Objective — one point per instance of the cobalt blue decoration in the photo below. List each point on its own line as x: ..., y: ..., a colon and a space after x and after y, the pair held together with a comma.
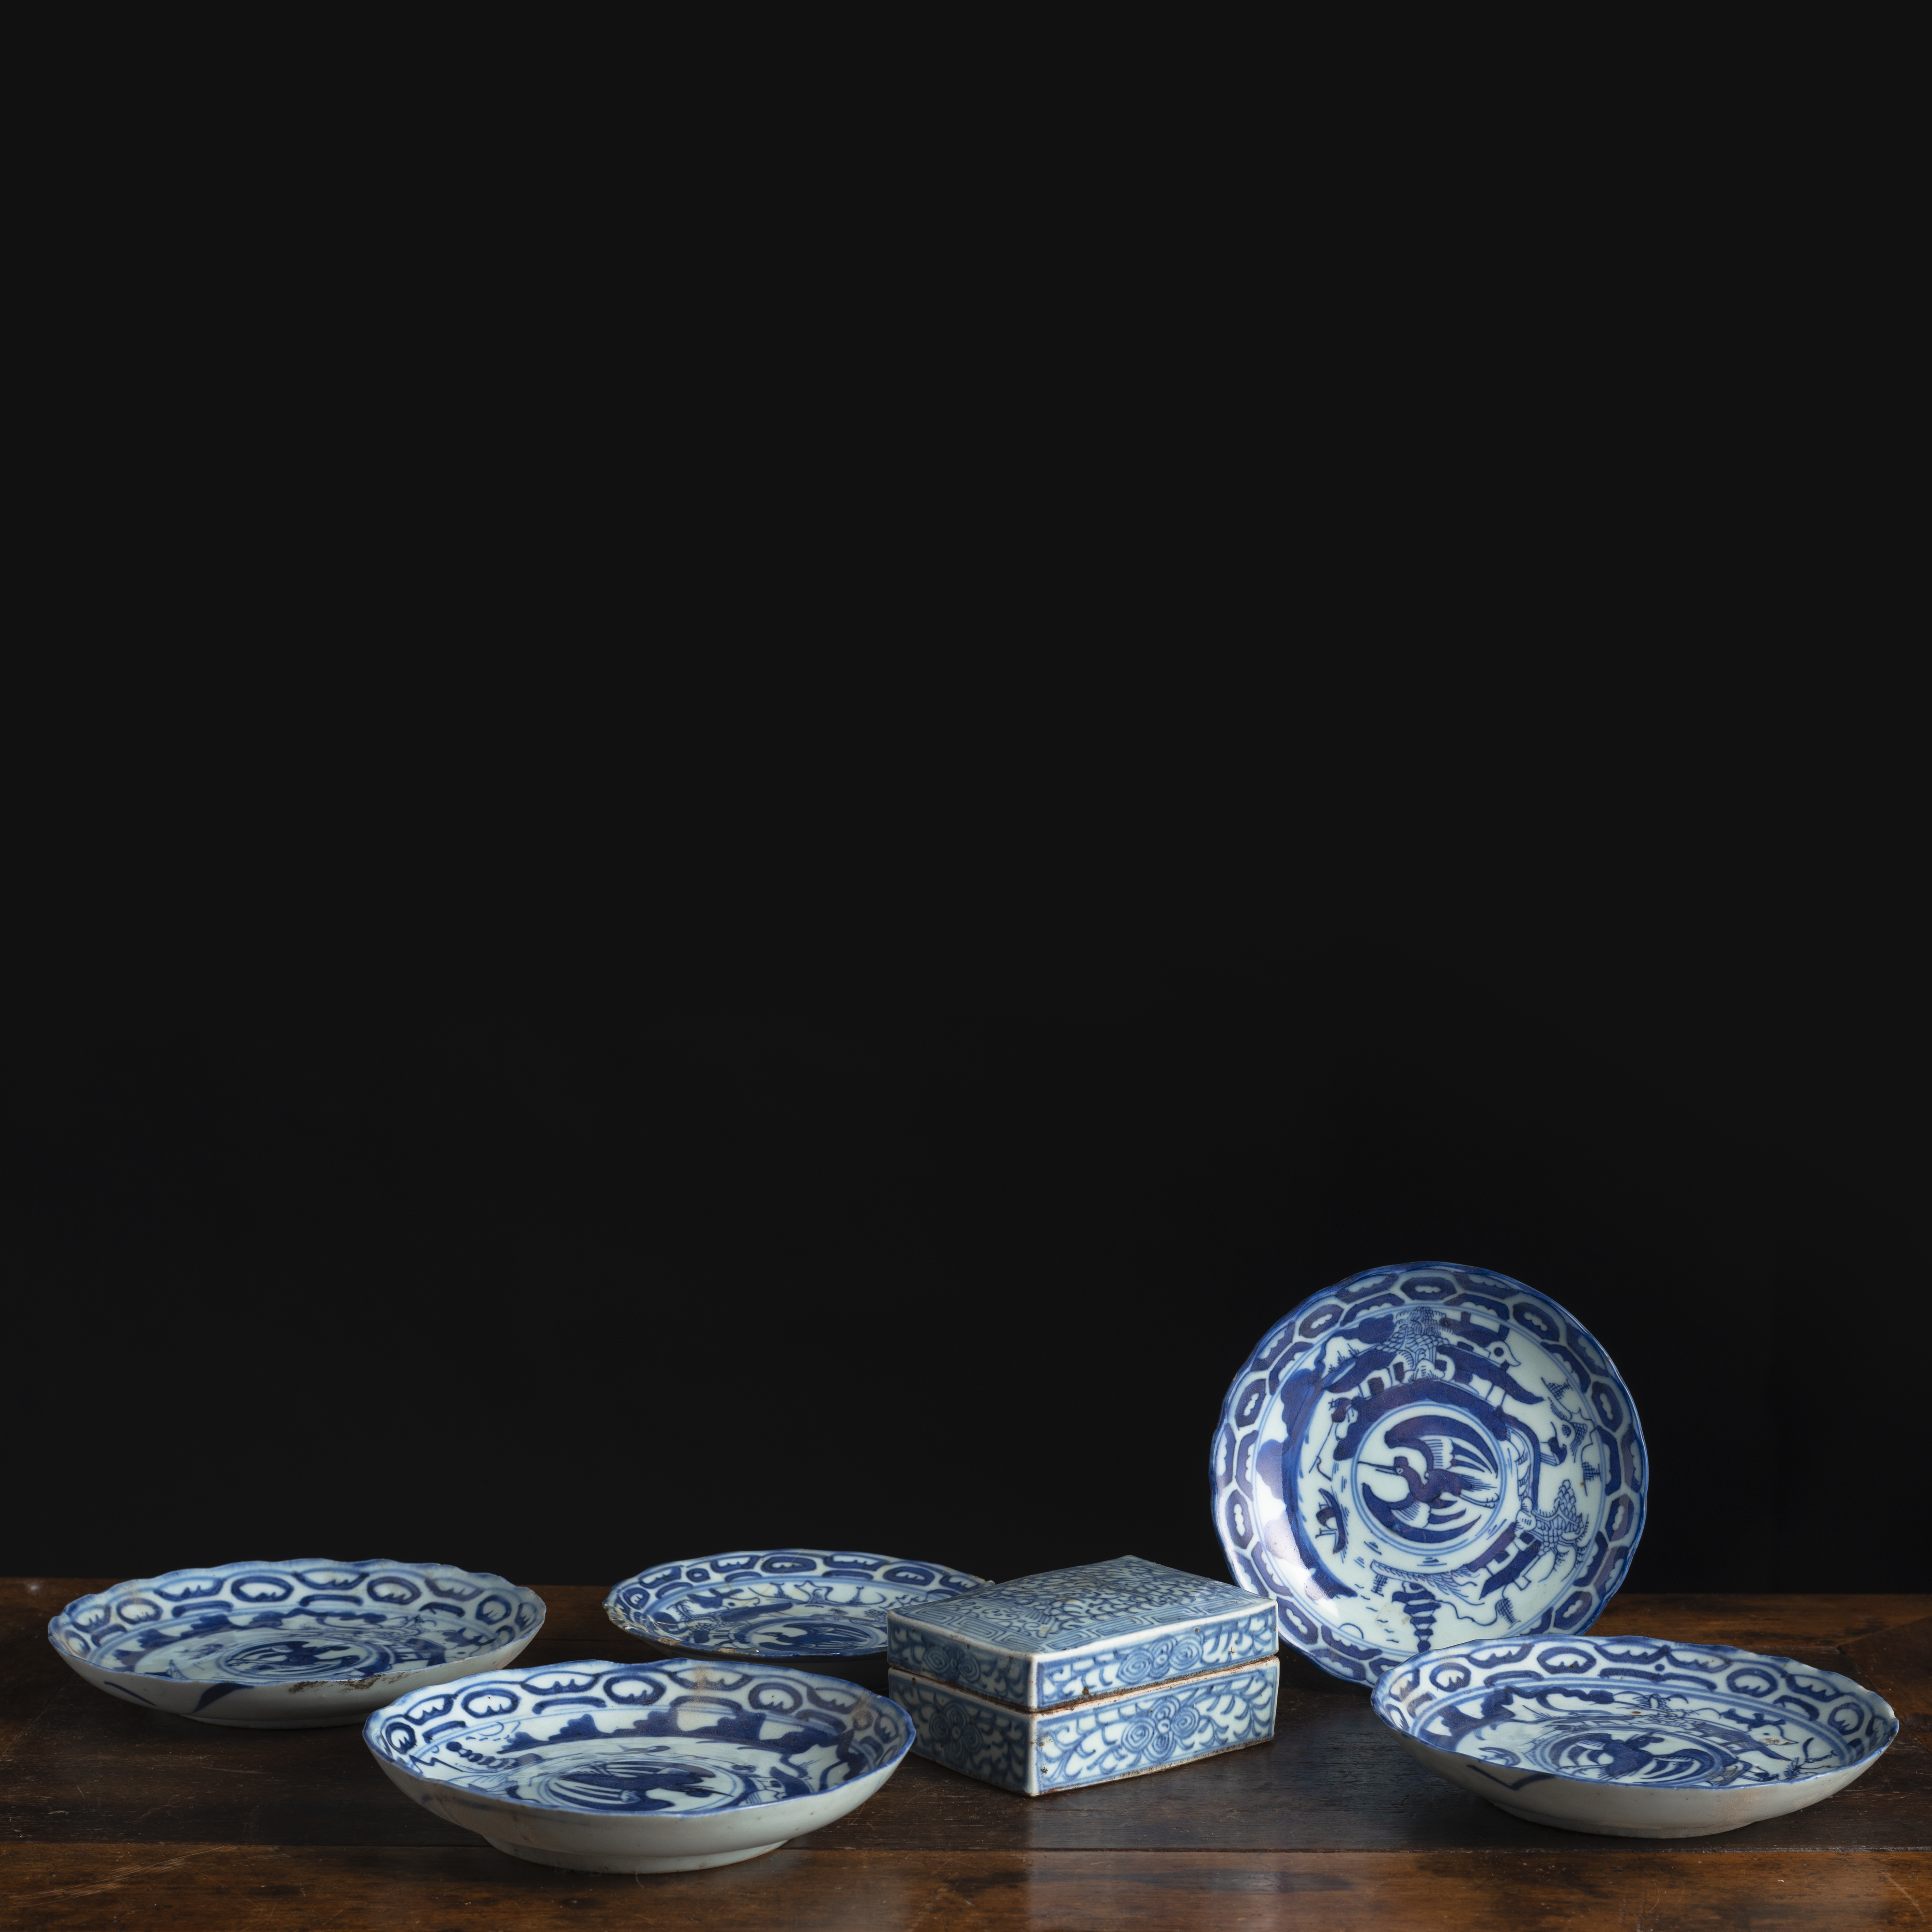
x: 1422, y: 1456
x: 1036, y: 1752
x: 668, y: 1766
x: 814, y: 1606
x: 1082, y: 1676
x: 288, y: 1645
x: 1086, y: 1632
x: 1633, y: 1736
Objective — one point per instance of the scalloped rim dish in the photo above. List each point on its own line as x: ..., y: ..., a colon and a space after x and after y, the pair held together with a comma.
x: 672, y: 1765
x: 797, y: 1605
x: 282, y: 1646
x: 1426, y: 1455
x: 1635, y: 1736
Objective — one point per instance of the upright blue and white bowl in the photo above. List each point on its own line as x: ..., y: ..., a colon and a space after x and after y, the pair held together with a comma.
x: 821, y: 1610
x: 1425, y: 1456
x: 668, y: 1766
x: 1635, y: 1737
x: 275, y: 1646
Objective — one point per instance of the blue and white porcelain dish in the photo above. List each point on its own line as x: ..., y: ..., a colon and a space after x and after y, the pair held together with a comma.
x: 1425, y: 1456
x: 821, y: 1609
x: 1161, y: 1727
x: 1636, y: 1737
x: 274, y: 1646
x: 666, y: 1766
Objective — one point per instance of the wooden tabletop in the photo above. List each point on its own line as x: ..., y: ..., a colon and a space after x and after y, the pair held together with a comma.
x: 113, y: 1817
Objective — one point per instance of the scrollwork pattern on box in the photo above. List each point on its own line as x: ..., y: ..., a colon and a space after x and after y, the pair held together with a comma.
x: 992, y: 1673
x: 1012, y: 1640
x: 1094, y: 1743
x: 1061, y: 1610
x: 1061, y: 1680
x: 984, y: 1741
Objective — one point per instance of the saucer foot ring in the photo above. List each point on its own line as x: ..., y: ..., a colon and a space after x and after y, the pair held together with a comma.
x: 1610, y: 1831
x: 584, y: 1862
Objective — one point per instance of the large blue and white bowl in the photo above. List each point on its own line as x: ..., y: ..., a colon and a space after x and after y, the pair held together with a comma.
x: 1636, y: 1737
x: 817, y: 1610
x: 668, y: 1766
x: 275, y: 1646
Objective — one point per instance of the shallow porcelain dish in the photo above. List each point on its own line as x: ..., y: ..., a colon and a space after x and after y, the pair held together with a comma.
x: 275, y: 1646
x: 821, y: 1609
x: 1636, y: 1737
x: 669, y: 1766
x: 1425, y: 1456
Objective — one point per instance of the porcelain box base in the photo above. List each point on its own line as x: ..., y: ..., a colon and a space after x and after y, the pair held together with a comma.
x: 1096, y: 1741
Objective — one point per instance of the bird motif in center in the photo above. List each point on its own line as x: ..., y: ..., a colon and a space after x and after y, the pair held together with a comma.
x: 1448, y: 1473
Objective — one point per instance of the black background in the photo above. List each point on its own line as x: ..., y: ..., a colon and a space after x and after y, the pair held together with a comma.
x: 563, y: 1228
x: 630, y: 954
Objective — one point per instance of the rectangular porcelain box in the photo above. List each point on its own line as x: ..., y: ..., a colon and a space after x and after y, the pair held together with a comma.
x: 1083, y: 1675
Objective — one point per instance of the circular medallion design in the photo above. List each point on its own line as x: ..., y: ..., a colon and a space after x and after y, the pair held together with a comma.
x: 1424, y: 1456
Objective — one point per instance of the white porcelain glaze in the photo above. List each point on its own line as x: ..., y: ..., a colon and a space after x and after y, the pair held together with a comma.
x: 1424, y: 1456
x: 1634, y: 1737
x: 820, y: 1610
x: 283, y: 1646
x: 668, y: 1766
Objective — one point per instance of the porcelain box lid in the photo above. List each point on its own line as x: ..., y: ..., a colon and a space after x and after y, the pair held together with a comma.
x: 1095, y: 1631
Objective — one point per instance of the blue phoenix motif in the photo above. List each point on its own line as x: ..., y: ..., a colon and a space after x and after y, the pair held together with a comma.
x: 1638, y: 1711
x: 1421, y: 1455
x: 258, y: 1624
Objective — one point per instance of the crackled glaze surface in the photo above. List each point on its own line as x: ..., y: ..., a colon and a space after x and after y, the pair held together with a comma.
x: 1088, y: 1631
x: 1035, y: 1752
x: 779, y: 1604
x: 213, y: 1642
x: 1424, y: 1456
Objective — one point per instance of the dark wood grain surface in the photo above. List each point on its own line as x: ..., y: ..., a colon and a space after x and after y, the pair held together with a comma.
x: 114, y: 1816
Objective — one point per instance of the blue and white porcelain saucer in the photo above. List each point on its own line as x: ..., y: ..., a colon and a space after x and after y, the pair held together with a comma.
x: 1424, y: 1456
x: 669, y: 1766
x: 286, y: 1646
x: 817, y: 1609
x: 1636, y: 1737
